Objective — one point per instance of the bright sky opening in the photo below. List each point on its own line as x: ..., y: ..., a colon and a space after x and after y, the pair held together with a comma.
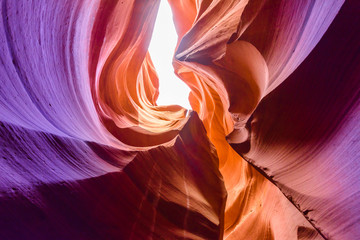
x: 172, y: 90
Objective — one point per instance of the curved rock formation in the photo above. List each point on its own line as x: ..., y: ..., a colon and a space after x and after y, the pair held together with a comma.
x: 270, y: 149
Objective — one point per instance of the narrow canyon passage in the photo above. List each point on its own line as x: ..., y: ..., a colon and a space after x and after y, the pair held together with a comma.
x: 172, y: 90
x: 102, y: 138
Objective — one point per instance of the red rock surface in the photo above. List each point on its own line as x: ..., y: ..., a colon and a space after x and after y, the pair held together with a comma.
x: 270, y: 149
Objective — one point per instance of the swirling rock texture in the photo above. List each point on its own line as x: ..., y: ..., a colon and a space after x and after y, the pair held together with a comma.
x: 270, y: 149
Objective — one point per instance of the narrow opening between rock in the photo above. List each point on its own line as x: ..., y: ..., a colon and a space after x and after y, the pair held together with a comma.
x: 172, y: 90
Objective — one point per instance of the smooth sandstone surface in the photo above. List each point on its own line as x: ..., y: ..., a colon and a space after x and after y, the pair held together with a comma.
x: 270, y: 149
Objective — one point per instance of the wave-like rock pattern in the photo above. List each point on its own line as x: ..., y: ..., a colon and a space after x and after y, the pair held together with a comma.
x: 270, y: 149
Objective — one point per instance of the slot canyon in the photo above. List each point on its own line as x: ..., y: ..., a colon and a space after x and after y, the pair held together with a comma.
x: 268, y: 148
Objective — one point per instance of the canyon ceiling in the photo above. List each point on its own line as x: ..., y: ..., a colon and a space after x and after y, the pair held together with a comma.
x: 269, y: 150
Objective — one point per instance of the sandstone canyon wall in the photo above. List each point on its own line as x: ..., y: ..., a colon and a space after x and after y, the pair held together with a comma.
x: 270, y: 149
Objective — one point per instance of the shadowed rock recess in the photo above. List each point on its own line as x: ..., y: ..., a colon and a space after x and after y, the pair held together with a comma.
x: 270, y: 149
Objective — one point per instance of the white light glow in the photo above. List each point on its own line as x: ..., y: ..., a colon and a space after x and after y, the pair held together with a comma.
x: 172, y: 90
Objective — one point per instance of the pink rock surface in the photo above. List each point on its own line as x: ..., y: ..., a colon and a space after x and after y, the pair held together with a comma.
x: 270, y: 149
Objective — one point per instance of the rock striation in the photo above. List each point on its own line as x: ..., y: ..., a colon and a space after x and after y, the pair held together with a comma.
x: 270, y: 149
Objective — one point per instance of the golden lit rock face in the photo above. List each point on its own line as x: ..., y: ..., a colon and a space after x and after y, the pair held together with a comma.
x: 227, y: 87
x: 269, y: 150
x: 124, y: 81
